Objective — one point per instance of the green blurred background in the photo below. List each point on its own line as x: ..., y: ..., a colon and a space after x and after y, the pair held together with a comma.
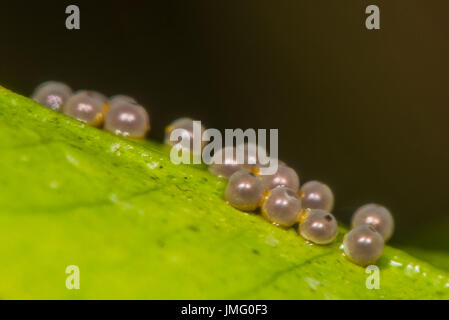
x: 365, y: 111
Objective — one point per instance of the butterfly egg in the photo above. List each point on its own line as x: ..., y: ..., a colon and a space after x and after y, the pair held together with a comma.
x: 281, y: 206
x: 52, y: 94
x: 224, y: 163
x: 96, y: 95
x: 227, y: 160
x: 285, y: 177
x: 270, y: 159
x: 377, y: 216
x: 363, y: 245
x: 127, y: 119
x: 184, y: 134
x: 244, y: 191
x: 87, y: 106
x: 117, y: 99
x: 318, y: 226
x: 317, y: 195
x: 250, y: 155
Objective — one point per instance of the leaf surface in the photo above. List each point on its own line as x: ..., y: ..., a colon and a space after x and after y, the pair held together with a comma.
x: 140, y: 227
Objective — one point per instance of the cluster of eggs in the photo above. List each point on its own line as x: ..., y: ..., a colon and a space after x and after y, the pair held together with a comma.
x: 119, y: 114
x: 279, y: 197
x: 372, y: 226
x: 283, y: 202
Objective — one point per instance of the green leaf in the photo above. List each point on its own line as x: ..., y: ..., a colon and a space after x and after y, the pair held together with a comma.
x: 139, y: 226
x: 437, y: 258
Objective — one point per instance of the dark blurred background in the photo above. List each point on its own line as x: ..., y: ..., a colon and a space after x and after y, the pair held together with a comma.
x: 365, y: 111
